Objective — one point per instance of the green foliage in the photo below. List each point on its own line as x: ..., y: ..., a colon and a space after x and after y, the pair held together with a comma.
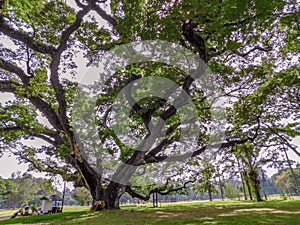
x: 92, y: 37
x: 64, y: 150
x: 7, y: 187
x: 251, y: 47
x: 284, y: 180
x: 82, y: 195
x: 20, y: 190
x: 136, y: 123
x: 46, y: 19
x: 232, y: 191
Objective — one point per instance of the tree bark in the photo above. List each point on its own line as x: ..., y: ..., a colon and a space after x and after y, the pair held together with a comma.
x: 242, y: 178
x: 243, y: 186
x: 107, y: 198
x: 221, y: 188
x: 112, y: 195
x: 209, y: 192
x: 253, y: 175
x: 248, y: 184
x: 295, y: 181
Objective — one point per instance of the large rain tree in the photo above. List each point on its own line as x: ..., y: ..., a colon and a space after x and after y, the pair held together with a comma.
x: 243, y: 42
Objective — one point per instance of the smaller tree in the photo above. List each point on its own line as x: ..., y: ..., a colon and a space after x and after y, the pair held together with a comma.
x: 24, y: 189
x: 250, y: 157
x: 284, y: 180
x: 7, y: 187
x: 231, y: 190
x: 83, y: 196
x: 206, y: 182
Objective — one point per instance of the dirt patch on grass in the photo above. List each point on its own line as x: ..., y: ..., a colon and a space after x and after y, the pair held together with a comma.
x: 4, y: 217
x: 258, y: 210
x: 199, y: 212
x: 209, y: 211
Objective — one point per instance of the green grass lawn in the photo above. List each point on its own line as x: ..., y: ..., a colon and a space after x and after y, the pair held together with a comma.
x: 216, y: 212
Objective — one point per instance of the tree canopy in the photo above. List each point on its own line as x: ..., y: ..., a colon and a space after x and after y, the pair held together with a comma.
x: 251, y: 47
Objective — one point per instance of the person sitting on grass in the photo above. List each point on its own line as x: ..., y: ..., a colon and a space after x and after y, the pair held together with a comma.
x: 16, y: 213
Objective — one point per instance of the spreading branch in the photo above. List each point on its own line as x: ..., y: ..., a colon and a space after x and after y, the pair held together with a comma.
x: 112, y: 21
x: 252, y: 50
x: 8, y: 66
x: 162, y: 190
x: 8, y: 86
x: 286, y: 142
x: 54, y: 67
x: 25, y: 38
x: 38, y: 102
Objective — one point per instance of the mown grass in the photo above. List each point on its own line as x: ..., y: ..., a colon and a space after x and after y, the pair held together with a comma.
x: 189, y: 213
x: 5, y: 212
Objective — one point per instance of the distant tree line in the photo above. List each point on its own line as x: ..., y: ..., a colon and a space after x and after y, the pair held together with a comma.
x: 281, y: 183
x: 21, y: 189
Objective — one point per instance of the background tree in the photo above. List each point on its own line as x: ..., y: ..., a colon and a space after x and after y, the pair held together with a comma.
x: 83, y: 195
x: 207, y: 182
x: 285, y: 181
x: 70, y: 198
x: 232, y: 190
x: 25, y: 189
x: 7, y: 188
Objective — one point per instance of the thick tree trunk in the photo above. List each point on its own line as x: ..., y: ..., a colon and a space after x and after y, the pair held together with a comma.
x: 97, y: 193
x: 112, y: 195
x: 103, y: 197
x: 92, y: 180
x: 107, y: 198
x: 253, y: 175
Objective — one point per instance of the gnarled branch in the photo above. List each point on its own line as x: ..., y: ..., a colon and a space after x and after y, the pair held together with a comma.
x: 8, y: 86
x: 54, y: 67
x: 112, y: 21
x: 8, y: 66
x: 25, y: 38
